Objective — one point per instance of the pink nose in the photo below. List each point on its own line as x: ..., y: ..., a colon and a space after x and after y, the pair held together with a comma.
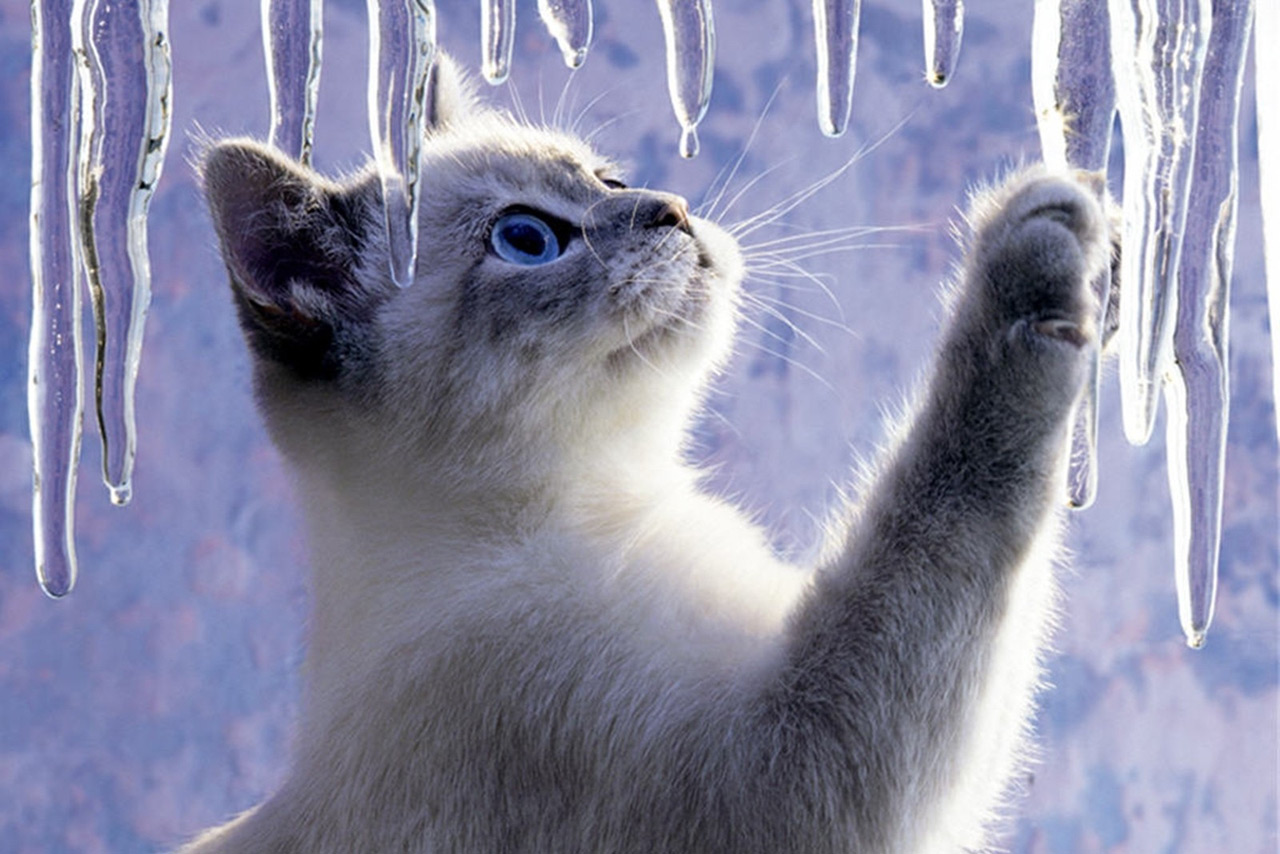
x: 671, y: 211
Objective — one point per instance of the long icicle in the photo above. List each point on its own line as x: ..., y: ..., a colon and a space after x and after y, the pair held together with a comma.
x: 1197, y: 391
x: 1158, y: 51
x: 1075, y: 102
x: 1266, y: 68
x: 292, y: 42
x: 835, y: 28
x: 690, y: 34
x: 54, y: 385
x: 402, y: 48
x: 125, y: 88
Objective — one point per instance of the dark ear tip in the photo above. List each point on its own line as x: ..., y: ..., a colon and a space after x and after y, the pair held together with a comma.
x: 229, y: 161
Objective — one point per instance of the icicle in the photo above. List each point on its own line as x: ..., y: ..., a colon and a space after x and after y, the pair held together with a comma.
x: 498, y: 36
x: 691, y: 57
x: 291, y: 43
x: 835, y: 24
x: 54, y: 395
x: 1158, y: 53
x: 125, y: 87
x: 1266, y: 68
x: 1197, y: 392
x: 569, y: 22
x: 1075, y: 102
x: 402, y: 47
x: 943, y: 30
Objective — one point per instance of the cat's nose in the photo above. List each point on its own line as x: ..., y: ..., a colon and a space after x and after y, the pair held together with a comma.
x: 669, y: 211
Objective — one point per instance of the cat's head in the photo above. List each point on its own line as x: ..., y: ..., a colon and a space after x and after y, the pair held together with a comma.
x: 551, y: 302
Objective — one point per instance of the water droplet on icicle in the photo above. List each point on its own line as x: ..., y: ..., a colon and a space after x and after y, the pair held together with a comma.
x: 497, y: 37
x: 291, y: 41
x: 943, y: 30
x: 689, y: 143
x: 835, y: 24
x: 1074, y: 95
x: 1197, y: 391
x: 402, y: 48
x: 569, y: 22
x: 125, y: 85
x: 1159, y: 57
x: 54, y: 396
x: 691, y: 54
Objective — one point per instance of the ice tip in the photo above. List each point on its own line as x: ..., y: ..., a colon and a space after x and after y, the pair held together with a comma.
x: 831, y: 128
x: 689, y: 143
x: 121, y: 494
x: 56, y: 585
x: 1196, y: 638
x: 574, y: 58
x: 937, y: 79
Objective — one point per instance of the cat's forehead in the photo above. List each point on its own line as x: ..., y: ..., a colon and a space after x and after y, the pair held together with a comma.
x: 511, y: 157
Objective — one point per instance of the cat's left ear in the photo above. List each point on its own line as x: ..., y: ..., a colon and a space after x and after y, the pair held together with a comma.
x: 294, y: 243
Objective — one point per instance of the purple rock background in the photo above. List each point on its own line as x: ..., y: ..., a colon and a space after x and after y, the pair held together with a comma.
x: 159, y: 697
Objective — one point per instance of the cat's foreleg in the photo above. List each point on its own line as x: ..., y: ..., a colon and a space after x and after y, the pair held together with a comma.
x: 913, y: 661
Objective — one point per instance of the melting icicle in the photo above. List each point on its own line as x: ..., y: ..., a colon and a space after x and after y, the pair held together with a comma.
x: 569, y: 22
x: 1197, y: 392
x: 943, y: 29
x: 498, y: 36
x: 124, y: 84
x: 291, y: 42
x: 1266, y: 68
x: 835, y: 26
x: 691, y: 57
x: 402, y: 47
x: 1075, y: 103
x: 54, y: 396
x: 1158, y: 53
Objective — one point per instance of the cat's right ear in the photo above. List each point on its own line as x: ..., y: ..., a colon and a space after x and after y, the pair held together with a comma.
x: 293, y: 243
x: 450, y: 94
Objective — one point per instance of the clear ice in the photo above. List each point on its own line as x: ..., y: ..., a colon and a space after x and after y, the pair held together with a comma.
x: 1266, y: 67
x: 402, y: 47
x: 569, y: 22
x: 54, y: 389
x: 835, y: 29
x: 1197, y: 391
x: 498, y: 37
x: 691, y: 55
x: 124, y: 84
x: 1158, y: 51
x: 943, y: 30
x: 1075, y: 103
x: 291, y: 43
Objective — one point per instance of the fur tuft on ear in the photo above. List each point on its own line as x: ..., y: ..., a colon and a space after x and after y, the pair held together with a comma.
x: 293, y: 242
x: 450, y: 94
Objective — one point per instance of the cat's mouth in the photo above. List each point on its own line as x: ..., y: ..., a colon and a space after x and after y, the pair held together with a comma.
x: 684, y: 294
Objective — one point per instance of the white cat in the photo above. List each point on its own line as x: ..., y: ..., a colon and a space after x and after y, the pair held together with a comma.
x: 532, y: 631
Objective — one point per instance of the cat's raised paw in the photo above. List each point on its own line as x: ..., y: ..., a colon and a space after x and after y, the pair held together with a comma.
x: 1041, y: 240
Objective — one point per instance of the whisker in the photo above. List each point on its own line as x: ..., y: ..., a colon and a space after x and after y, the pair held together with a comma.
x: 775, y: 312
x: 790, y: 203
x: 737, y: 163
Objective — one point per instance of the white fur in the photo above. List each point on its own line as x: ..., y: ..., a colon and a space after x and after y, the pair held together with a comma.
x: 533, y: 631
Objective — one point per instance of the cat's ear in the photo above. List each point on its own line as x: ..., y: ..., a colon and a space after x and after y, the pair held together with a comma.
x: 450, y: 93
x: 294, y: 244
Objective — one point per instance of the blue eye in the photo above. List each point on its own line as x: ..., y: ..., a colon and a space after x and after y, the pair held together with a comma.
x: 522, y: 238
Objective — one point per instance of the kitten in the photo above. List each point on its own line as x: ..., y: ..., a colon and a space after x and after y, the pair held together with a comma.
x: 532, y: 631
